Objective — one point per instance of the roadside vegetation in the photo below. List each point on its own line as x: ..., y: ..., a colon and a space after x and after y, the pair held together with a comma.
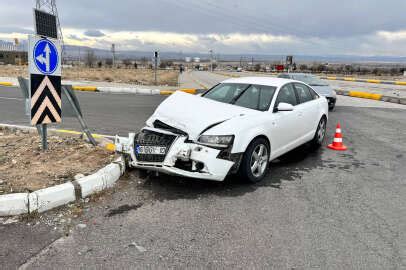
x: 120, y: 74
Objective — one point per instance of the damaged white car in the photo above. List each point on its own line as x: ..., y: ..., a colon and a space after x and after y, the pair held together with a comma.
x: 238, y: 126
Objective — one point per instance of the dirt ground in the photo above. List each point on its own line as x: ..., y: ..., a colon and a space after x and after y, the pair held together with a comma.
x: 121, y: 75
x: 24, y: 167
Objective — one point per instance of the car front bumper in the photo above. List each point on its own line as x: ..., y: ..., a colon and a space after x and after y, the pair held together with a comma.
x: 186, y: 159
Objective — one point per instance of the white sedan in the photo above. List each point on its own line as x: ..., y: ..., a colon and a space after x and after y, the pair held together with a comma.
x: 238, y: 126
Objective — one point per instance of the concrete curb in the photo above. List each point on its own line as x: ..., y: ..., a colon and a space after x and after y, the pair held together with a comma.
x: 6, y: 84
x: 124, y: 90
x: 102, y: 179
x: 143, y: 91
x: 13, y: 204
x: 350, y: 79
x: 52, y: 197
x: 129, y: 90
x: 373, y: 96
x: 85, y: 88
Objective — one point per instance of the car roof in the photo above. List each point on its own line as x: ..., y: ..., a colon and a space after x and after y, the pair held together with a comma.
x: 269, y: 81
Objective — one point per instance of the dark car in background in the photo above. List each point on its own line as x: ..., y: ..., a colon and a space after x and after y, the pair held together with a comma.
x: 321, y: 87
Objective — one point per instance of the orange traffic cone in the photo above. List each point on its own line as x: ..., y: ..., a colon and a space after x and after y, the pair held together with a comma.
x: 338, y: 140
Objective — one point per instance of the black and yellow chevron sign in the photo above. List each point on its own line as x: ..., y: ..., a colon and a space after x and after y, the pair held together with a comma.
x: 45, y: 99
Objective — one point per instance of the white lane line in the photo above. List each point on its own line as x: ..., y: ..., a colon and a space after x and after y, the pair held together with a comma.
x: 11, y: 98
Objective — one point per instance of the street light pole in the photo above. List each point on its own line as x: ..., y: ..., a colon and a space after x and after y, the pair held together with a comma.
x: 211, y: 60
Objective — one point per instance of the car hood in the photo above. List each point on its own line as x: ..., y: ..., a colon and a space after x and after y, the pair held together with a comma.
x: 194, y: 114
x: 324, y: 90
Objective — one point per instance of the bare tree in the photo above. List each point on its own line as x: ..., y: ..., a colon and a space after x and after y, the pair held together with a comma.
x: 127, y: 62
x: 303, y: 67
x: 109, y: 62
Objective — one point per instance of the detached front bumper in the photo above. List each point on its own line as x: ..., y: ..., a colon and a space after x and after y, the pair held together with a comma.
x: 183, y: 158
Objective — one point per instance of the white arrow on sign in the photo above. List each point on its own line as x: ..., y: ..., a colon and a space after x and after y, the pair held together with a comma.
x: 45, y: 59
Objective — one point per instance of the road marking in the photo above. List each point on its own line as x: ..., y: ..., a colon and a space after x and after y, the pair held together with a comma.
x: 197, y: 81
x: 11, y: 98
x: 58, y: 130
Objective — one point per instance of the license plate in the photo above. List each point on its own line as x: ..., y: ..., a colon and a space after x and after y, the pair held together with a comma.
x: 152, y: 150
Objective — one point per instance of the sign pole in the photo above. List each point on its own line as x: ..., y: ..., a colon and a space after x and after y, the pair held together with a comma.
x: 156, y: 55
x: 79, y: 116
x: 155, y: 77
x: 44, y: 137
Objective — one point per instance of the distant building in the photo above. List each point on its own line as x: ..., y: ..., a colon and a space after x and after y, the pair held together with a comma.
x: 13, y: 57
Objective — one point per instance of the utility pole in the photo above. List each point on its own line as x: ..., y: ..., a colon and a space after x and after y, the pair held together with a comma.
x: 211, y: 60
x: 79, y: 63
x: 156, y: 56
x: 113, y: 51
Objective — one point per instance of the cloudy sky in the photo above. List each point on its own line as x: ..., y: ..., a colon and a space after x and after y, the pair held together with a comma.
x: 350, y: 27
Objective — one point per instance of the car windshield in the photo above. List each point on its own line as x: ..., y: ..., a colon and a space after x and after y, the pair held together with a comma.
x: 309, y: 79
x: 250, y: 96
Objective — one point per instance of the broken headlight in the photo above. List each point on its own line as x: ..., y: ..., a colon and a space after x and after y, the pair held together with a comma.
x: 216, y: 141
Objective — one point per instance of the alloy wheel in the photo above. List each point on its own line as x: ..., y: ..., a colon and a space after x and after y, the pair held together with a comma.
x: 259, y: 160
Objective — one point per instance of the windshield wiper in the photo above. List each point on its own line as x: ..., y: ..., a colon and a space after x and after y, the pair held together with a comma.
x: 237, y: 97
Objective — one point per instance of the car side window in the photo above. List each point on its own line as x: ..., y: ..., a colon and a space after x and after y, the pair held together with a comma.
x: 267, y: 93
x: 303, y: 93
x: 250, y: 98
x: 313, y: 93
x: 286, y: 95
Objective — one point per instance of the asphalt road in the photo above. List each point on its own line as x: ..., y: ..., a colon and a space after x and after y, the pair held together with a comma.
x: 316, y: 209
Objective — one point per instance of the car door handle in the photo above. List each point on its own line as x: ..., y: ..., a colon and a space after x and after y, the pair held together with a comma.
x: 300, y: 113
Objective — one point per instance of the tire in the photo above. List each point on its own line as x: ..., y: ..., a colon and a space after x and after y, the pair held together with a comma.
x: 320, y: 134
x: 331, y: 107
x: 248, y: 170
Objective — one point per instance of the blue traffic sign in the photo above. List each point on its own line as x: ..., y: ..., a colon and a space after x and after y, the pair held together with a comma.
x: 46, y: 56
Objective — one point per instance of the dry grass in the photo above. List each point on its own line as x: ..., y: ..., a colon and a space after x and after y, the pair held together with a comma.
x: 121, y: 75
x: 24, y: 166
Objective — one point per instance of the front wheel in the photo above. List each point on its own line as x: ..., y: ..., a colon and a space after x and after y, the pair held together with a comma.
x: 255, y: 161
x: 320, y: 132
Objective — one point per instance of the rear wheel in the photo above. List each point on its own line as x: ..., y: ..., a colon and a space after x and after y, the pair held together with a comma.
x: 320, y: 132
x: 255, y: 161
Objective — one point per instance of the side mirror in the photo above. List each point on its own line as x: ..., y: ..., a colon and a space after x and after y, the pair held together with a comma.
x: 284, y: 107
